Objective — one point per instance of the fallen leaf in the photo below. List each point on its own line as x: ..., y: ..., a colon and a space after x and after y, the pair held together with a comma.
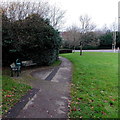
x: 113, y: 100
x: 8, y: 95
x: 105, y: 101
x: 74, y: 109
x: 91, y: 100
x: 103, y: 113
x: 79, y: 98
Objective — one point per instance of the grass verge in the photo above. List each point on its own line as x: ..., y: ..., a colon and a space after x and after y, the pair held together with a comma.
x: 94, y: 87
x: 56, y: 63
x: 12, y: 91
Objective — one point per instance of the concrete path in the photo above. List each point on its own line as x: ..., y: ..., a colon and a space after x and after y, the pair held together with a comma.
x: 51, y: 101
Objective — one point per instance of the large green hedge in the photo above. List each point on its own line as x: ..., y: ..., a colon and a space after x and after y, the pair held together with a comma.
x: 30, y: 39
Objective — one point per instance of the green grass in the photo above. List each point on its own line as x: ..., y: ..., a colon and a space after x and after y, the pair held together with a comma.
x: 12, y: 91
x: 94, y: 87
x: 56, y: 63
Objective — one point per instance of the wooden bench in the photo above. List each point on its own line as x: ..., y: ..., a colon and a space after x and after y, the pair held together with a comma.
x: 15, y: 68
x: 28, y: 63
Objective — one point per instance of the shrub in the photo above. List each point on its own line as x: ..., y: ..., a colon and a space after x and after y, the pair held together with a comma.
x: 31, y: 39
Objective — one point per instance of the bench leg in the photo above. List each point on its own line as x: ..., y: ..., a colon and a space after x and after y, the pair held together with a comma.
x: 17, y: 73
x: 20, y: 71
x: 11, y: 73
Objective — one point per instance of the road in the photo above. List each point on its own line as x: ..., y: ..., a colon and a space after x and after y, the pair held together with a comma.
x: 112, y: 51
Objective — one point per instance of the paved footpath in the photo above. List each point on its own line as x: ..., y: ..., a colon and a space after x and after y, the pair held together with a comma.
x: 51, y: 101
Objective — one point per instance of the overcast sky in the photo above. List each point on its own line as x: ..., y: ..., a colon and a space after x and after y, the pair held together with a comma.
x: 101, y: 11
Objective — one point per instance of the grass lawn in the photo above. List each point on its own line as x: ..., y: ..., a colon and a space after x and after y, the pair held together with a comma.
x: 12, y: 91
x: 94, y: 87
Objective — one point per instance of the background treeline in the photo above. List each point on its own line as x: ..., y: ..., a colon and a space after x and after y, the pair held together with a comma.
x: 90, y: 40
x: 29, y: 32
x: 89, y: 36
x: 106, y: 40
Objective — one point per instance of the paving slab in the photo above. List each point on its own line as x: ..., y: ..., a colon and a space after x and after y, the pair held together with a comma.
x: 42, y: 73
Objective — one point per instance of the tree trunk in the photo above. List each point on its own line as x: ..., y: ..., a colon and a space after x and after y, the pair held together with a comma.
x: 74, y: 50
x: 80, y: 49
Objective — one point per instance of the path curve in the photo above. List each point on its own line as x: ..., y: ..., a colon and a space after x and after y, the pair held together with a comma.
x: 52, y: 99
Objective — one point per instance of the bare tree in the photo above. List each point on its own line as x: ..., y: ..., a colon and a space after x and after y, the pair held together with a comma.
x: 75, y: 35
x: 105, y: 29
x: 86, y: 26
x: 72, y: 36
x: 114, y: 26
x: 56, y: 16
x: 66, y: 36
x: 20, y: 10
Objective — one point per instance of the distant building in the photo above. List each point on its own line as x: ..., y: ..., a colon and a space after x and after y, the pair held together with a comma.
x: 119, y: 16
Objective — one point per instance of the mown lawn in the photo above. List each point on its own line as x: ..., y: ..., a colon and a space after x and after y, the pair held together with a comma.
x: 94, y: 87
